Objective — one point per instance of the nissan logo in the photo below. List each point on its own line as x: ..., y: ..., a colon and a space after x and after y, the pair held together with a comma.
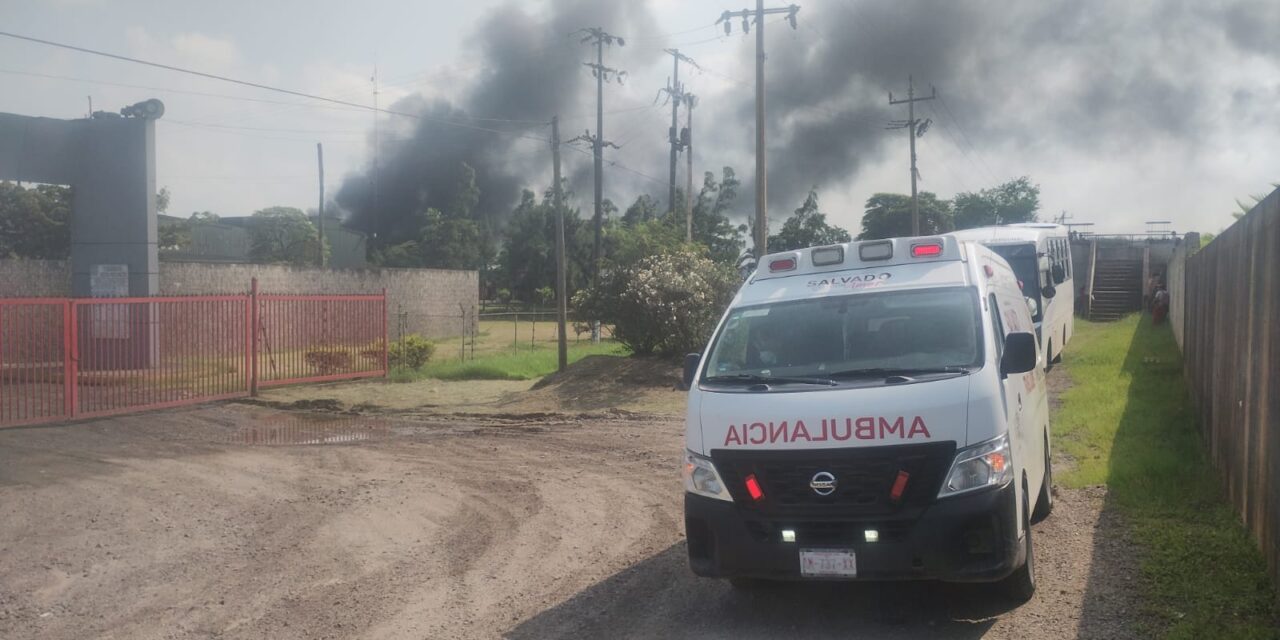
x: 823, y: 483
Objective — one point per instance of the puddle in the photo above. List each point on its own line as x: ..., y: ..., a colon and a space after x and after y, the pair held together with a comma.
x: 312, y: 429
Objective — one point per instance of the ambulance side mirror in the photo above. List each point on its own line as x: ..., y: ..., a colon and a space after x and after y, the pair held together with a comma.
x: 691, y: 362
x: 1019, y: 353
x: 1059, y: 274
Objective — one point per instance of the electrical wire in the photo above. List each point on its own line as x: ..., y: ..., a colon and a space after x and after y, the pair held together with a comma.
x: 965, y: 136
x: 265, y: 87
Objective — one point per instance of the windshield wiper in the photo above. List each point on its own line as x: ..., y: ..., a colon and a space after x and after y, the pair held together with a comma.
x: 898, y: 371
x: 759, y: 379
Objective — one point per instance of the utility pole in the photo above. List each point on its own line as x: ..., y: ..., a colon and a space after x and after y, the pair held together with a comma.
x: 599, y: 37
x: 762, y: 215
x: 687, y: 140
x: 320, y: 209
x: 911, y: 125
x: 562, y: 290
x: 377, y: 215
x: 676, y: 92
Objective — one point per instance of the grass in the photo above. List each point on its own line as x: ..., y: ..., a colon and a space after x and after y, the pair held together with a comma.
x: 1128, y: 423
x: 526, y: 363
x: 506, y: 335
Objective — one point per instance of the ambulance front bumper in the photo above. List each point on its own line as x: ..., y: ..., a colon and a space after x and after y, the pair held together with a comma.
x: 966, y: 538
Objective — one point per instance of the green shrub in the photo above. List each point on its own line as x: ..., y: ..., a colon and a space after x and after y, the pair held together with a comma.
x: 666, y: 304
x: 410, y: 352
x: 326, y: 362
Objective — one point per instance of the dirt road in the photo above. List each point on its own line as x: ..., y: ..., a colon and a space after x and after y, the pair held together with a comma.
x: 205, y: 523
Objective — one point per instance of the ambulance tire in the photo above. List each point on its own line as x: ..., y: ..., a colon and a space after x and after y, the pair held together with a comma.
x: 1044, y: 503
x: 1049, y: 360
x: 1020, y: 586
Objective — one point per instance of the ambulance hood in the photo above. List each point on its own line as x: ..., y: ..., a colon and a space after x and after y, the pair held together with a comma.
x: 865, y: 416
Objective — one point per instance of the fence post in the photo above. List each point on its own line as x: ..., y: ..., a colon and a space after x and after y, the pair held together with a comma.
x: 69, y: 373
x: 253, y: 337
x: 386, y: 369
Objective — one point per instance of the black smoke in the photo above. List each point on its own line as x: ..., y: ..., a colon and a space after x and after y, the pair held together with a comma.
x: 1078, y: 78
x: 1088, y: 76
x: 529, y: 68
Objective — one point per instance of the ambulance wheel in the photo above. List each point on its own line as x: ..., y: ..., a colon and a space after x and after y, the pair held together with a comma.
x: 1044, y: 503
x: 1049, y: 360
x: 1020, y: 586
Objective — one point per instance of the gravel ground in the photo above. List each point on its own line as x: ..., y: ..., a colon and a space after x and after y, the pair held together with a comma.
x: 205, y: 523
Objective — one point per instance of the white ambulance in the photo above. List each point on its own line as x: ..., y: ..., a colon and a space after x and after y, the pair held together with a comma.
x: 873, y: 411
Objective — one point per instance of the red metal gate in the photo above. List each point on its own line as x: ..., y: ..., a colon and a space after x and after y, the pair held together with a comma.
x: 71, y: 358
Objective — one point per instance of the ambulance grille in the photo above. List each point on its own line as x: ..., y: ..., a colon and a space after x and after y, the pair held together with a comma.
x: 864, y: 478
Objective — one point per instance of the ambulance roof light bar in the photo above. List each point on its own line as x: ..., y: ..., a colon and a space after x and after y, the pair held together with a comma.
x: 782, y: 264
x: 926, y: 249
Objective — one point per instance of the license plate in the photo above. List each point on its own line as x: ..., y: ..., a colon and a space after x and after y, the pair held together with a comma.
x: 828, y: 563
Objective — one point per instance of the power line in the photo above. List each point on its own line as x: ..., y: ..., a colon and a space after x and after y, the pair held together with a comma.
x: 965, y: 136
x: 265, y: 87
x: 170, y: 90
x: 955, y: 143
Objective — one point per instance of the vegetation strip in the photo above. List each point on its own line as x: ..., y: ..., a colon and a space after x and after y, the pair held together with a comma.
x: 526, y: 364
x: 1127, y: 422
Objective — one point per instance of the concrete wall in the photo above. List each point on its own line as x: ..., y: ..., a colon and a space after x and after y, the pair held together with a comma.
x: 1231, y: 354
x: 35, y: 278
x: 427, y: 299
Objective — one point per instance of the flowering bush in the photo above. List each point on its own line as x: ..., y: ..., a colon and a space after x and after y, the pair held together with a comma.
x: 666, y: 304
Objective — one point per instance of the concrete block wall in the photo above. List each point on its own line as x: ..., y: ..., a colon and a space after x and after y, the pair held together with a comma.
x: 430, y: 301
x: 35, y: 278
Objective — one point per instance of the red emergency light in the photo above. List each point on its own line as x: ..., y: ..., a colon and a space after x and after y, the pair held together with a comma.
x: 782, y: 264
x: 899, y: 486
x: 926, y: 250
x: 753, y: 488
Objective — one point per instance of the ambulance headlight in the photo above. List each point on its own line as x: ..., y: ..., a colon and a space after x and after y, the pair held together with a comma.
x: 983, y: 465
x: 700, y: 477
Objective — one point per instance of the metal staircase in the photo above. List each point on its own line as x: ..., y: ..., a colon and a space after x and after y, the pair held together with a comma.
x: 1117, y: 289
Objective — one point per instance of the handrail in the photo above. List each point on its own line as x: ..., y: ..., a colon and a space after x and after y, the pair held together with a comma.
x: 1093, y: 263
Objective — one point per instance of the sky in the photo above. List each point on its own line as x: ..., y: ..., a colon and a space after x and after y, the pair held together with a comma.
x: 1121, y: 112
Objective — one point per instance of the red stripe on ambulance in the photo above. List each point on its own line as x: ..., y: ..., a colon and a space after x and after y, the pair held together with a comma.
x: 833, y: 429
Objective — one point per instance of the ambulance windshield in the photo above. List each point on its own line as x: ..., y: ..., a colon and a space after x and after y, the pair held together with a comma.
x: 931, y: 329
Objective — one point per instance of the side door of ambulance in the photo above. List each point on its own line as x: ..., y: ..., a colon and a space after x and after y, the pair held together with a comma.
x: 1021, y: 400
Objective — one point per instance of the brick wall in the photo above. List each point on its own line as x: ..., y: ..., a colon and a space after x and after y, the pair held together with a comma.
x: 430, y: 301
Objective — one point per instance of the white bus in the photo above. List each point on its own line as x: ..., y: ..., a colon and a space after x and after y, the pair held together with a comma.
x: 1040, y: 255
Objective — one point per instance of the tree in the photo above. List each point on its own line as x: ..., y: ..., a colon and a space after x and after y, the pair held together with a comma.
x: 807, y: 227
x: 162, y: 200
x: 283, y: 235
x: 1017, y: 200
x: 643, y: 209
x: 527, y: 262
x: 888, y: 215
x: 203, y: 216
x: 711, y: 209
x: 35, y: 222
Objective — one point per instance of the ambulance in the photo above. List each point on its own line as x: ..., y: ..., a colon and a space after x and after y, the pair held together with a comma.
x: 871, y: 410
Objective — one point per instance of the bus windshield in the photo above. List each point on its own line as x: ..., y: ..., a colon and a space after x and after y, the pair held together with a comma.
x: 931, y: 330
x: 1026, y: 266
